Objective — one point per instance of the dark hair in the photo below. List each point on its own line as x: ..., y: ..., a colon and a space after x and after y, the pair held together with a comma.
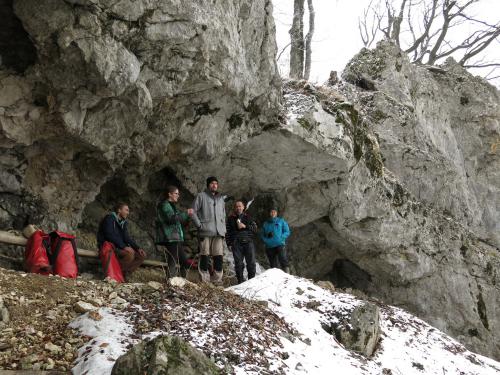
x: 170, y: 189
x: 242, y: 201
x: 119, y: 205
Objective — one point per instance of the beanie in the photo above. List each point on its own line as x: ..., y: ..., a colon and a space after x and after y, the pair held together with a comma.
x: 211, y: 179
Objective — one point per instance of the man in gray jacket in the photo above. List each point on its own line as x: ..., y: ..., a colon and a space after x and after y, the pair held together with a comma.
x: 210, y: 218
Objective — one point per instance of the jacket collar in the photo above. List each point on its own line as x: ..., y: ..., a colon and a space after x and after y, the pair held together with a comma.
x: 121, y: 222
x: 209, y: 193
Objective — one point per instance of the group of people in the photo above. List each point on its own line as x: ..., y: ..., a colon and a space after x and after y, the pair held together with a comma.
x: 208, y: 214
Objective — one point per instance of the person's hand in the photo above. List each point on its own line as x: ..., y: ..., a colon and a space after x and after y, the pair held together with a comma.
x: 142, y: 253
x: 241, y: 225
x: 190, y: 211
x: 128, y: 249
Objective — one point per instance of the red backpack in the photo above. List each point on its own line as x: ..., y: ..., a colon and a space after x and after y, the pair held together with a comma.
x: 63, y: 255
x: 110, y: 265
x: 36, y: 259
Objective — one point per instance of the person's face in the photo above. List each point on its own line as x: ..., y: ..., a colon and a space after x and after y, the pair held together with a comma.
x: 239, y: 207
x: 173, y: 196
x: 273, y: 213
x: 123, y: 212
x: 213, y: 186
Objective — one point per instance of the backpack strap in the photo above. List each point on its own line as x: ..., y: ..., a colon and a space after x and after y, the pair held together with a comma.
x: 59, y: 240
x: 54, y: 254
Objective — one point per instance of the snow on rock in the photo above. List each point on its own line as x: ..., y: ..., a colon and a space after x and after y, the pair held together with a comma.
x: 408, y: 344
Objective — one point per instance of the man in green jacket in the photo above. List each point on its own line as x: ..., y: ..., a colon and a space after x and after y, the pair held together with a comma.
x: 169, y: 231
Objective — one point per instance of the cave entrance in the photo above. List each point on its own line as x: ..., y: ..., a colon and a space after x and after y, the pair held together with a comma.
x: 346, y: 274
x: 142, y: 209
x: 17, y: 52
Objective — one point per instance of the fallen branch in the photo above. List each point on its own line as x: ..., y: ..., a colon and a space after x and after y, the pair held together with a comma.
x: 12, y: 239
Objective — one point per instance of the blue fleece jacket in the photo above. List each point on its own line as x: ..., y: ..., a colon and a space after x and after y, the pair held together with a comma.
x: 274, y: 232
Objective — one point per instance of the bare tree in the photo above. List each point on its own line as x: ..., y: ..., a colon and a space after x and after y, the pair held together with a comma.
x: 300, y: 47
x: 423, y: 29
x: 308, y: 40
x: 297, y: 41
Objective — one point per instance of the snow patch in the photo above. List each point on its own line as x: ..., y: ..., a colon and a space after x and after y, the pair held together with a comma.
x: 408, y: 345
x: 111, y: 338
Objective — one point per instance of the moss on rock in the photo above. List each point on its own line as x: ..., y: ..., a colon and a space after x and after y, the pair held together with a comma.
x: 165, y: 355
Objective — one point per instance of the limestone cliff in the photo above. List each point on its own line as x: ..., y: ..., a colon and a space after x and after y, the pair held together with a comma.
x: 120, y: 90
x: 390, y: 180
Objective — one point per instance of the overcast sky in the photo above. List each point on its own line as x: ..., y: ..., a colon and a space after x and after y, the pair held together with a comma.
x: 336, y: 38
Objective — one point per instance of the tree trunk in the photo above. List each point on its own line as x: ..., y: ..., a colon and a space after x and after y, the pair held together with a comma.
x: 308, y: 41
x: 297, y: 41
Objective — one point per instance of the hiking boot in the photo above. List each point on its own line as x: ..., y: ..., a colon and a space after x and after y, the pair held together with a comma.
x: 205, y: 276
x: 217, y: 278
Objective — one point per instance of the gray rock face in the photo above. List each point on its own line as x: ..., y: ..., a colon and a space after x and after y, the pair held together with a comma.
x: 124, y: 89
x: 167, y: 355
x: 356, y: 222
x: 437, y: 132
x: 390, y: 183
x: 362, y: 333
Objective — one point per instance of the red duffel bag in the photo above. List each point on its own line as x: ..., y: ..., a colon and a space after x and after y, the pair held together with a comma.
x: 110, y: 264
x: 36, y: 259
x: 63, y: 255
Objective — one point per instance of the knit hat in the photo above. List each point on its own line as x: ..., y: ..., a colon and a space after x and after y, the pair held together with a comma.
x: 211, y: 179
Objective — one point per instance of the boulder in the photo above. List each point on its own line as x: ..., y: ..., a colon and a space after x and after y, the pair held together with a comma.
x: 168, y: 355
x: 83, y: 307
x: 155, y: 285
x: 180, y: 282
x: 362, y: 332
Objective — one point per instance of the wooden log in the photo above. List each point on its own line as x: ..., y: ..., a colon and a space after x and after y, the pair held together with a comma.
x: 12, y: 239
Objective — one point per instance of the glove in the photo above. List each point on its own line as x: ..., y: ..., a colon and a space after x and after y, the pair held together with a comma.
x: 270, y: 235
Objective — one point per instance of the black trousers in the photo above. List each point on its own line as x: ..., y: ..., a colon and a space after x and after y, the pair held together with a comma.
x: 176, y: 259
x: 277, y: 257
x: 244, y: 251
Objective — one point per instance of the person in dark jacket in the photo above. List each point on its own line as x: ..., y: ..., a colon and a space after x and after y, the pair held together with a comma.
x: 114, y: 229
x: 239, y: 238
x: 274, y: 233
x: 169, y: 231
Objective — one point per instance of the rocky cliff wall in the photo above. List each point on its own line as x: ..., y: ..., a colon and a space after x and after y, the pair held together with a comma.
x: 389, y: 181
x: 120, y: 90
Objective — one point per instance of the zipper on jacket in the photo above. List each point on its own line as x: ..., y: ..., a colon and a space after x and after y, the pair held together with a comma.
x: 215, y: 216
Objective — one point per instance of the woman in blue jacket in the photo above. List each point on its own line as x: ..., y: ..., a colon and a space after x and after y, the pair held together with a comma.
x: 274, y: 233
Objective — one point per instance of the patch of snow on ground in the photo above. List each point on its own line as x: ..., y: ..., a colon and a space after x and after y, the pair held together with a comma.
x: 408, y: 345
x: 110, y: 340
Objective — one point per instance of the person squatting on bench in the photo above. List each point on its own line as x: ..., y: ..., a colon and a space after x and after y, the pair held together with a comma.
x: 113, y: 231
